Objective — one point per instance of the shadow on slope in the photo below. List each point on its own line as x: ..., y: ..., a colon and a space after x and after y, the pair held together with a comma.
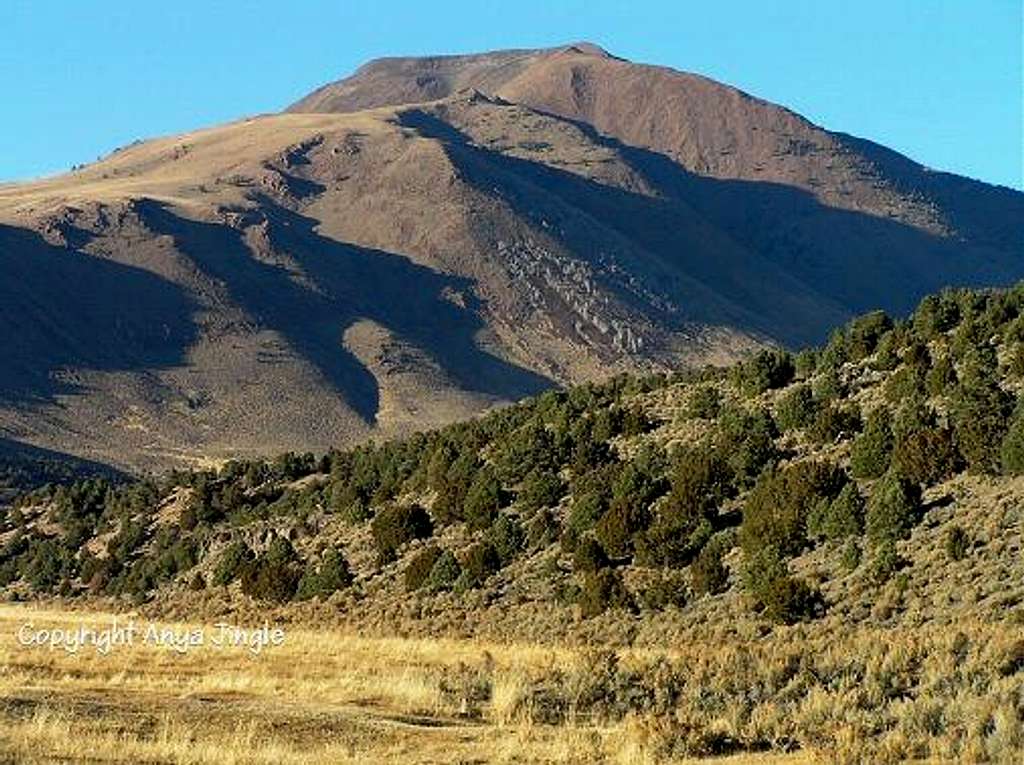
x: 61, y: 308
x: 859, y: 260
x: 784, y: 264
x: 982, y: 213
x: 343, y: 284
x: 24, y: 467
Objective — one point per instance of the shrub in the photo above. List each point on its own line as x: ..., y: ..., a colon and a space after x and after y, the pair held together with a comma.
x: 887, y: 353
x: 444, y: 573
x: 926, y: 457
x: 589, y: 556
x: 782, y: 598
x: 918, y: 360
x: 941, y: 377
x: 617, y: 527
x: 675, y: 538
x: 968, y: 336
x: 483, y: 500
x: 957, y: 543
x: 1011, y: 451
x: 893, y: 508
x: 47, y: 564
x: 280, y: 551
x: 776, y: 511
x: 350, y: 503
x: 396, y: 525
x: 169, y: 558
x: 935, y: 315
x: 747, y: 439
x: 1016, y: 363
x: 805, y: 363
x: 418, y: 570
x: 664, y: 591
x: 128, y: 539
x: 479, y: 561
x: 828, y: 387
x: 531, y: 447
x: 851, y: 555
x: 266, y: 579
x: 1014, y: 331
x: 188, y: 519
x: 542, y: 529
x: 447, y: 507
x: 886, y: 562
x: 322, y: 581
x: 864, y: 333
x: 913, y: 416
x: 508, y: 538
x: 981, y: 410
x: 839, y: 518
x: 231, y: 564
x: 904, y: 383
x: 834, y: 355
x: 587, y: 452
x: 603, y: 590
x: 588, y: 505
x: 835, y: 423
x: 441, y: 458
x: 871, y: 452
x: 635, y: 422
x: 637, y: 486
x: 700, y: 479
x: 541, y: 488
x: 708, y: 574
x: 765, y: 370
x: 705, y: 403
x: 697, y: 474
x: 796, y: 408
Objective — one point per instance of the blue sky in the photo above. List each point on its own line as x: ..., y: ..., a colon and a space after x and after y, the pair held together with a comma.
x: 940, y: 81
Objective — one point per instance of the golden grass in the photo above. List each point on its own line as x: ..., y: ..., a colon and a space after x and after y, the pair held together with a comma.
x: 327, y: 696
x: 172, y: 169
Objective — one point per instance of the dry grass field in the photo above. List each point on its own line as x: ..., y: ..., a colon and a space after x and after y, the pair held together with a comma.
x: 325, y: 696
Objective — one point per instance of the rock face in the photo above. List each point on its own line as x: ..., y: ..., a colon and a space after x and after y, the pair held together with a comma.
x: 433, y: 236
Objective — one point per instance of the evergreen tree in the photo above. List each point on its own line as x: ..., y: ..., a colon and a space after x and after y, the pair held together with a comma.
x: 893, y: 508
x: 981, y: 411
x: 872, y: 450
x: 1012, y: 448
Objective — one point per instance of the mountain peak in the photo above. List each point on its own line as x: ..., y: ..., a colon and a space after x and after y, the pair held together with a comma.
x: 587, y: 49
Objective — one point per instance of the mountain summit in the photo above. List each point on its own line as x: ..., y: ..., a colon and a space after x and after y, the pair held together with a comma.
x: 433, y: 236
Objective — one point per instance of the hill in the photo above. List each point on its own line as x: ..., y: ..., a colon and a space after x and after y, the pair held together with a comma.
x: 434, y: 237
x: 854, y: 509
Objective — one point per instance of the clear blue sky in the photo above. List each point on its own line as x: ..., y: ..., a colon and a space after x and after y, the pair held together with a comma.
x: 939, y: 80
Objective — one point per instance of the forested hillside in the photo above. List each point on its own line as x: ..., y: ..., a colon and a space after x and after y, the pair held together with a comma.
x: 636, y: 494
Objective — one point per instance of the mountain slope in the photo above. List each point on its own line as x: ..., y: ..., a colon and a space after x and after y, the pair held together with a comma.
x: 432, y: 237
x: 679, y: 130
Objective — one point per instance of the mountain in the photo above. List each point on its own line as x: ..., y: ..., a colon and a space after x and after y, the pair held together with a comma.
x: 435, y: 236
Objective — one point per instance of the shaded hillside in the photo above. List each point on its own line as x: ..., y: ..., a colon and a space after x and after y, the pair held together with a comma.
x: 434, y: 237
x: 24, y: 468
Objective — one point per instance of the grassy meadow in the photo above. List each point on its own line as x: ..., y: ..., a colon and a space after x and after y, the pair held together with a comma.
x: 327, y: 696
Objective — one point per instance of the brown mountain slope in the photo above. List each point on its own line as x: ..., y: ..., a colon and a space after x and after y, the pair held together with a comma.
x: 445, y: 234
x: 776, y: 170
